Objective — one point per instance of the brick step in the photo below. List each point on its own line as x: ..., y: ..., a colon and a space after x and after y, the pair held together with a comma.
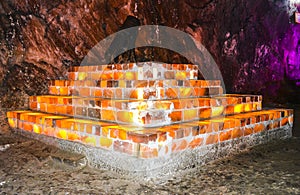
x: 118, y: 91
x: 146, y: 112
x: 134, y: 83
x: 133, y: 71
x: 156, y: 142
x: 134, y: 66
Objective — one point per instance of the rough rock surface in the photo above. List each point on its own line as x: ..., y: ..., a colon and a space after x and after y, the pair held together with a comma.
x: 249, y: 40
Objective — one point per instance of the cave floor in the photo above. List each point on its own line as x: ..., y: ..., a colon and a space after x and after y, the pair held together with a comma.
x: 31, y: 167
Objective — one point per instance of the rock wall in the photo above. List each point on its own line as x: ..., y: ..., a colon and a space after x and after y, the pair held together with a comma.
x: 251, y: 41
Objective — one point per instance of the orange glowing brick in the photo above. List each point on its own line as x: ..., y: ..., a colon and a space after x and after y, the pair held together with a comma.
x: 85, y: 91
x: 119, y: 93
x: 12, y: 123
x: 225, y: 135
x: 125, y: 116
x: 62, y: 134
x: 37, y: 128
x: 105, y: 142
x: 148, y: 152
x: 48, y: 131
x: 229, y: 123
x: 239, y: 108
x: 118, y: 75
x: 108, y: 115
x: 96, y: 92
x: 212, y: 139
x: 205, y: 112
x: 237, y: 132
x: 72, y: 75
x: 190, y: 114
x: 176, y: 116
x: 63, y: 91
x: 142, y: 136
x: 73, y: 136
x: 248, y: 107
x: 196, y: 142
x: 125, y: 147
x: 179, y: 145
x: 284, y: 122
x: 202, y: 92
x: 248, y: 130
x: 172, y: 93
x: 108, y: 93
x: 95, y: 75
x: 259, y: 127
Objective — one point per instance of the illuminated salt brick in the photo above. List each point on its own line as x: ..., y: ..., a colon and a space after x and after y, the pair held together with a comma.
x: 27, y: 126
x: 142, y: 136
x: 176, y: 116
x: 12, y: 122
x: 50, y: 131
x: 105, y: 142
x: 205, y: 127
x: 33, y: 105
x: 185, y: 92
x: 180, y: 75
x: 63, y: 91
x: 95, y: 92
x: 172, y: 93
x: 179, y: 145
x: 212, y: 139
x: 90, y: 140
x: 196, y: 142
x: 85, y: 91
x: 284, y: 121
x: 146, y: 151
x: 259, y: 127
x: 237, y: 132
x: 81, y: 76
x: 230, y: 123
x: 169, y: 75
x: 73, y: 136
x: 205, y: 113
x: 108, y: 115
x: 190, y: 114
x: 37, y: 129
x: 291, y: 119
x: 42, y: 107
x: 173, y: 131
x: 248, y: 130
x: 108, y: 93
x: 52, y: 108
x: 225, y: 135
x: 125, y: 147
x: 130, y: 76
x: 239, y: 108
x: 54, y: 90
x: 217, y: 125
x: 125, y: 117
x: 217, y: 111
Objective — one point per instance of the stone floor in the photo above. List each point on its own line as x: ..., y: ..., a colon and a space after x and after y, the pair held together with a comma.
x: 31, y: 167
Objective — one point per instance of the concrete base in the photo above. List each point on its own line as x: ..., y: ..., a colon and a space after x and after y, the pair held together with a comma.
x: 149, y: 168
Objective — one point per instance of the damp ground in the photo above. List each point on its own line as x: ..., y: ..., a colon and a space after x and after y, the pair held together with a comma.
x: 31, y: 167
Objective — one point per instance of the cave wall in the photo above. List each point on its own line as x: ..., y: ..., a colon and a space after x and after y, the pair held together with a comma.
x: 251, y: 41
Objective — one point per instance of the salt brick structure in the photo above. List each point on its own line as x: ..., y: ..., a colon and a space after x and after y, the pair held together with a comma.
x: 149, y: 118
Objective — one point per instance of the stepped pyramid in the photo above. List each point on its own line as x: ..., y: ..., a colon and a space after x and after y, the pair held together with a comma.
x: 140, y: 116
